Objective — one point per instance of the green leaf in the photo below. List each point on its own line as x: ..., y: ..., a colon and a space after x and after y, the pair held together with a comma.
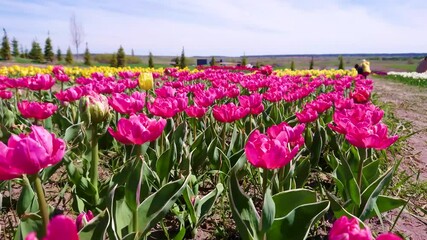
x: 179, y: 139
x: 387, y: 203
x: 164, y: 165
x: 287, y: 201
x: 97, y: 227
x: 268, y: 211
x: 302, y: 171
x: 297, y: 223
x: 370, y: 172
x: 243, y: 210
x: 73, y: 132
x: 138, y: 180
x: 316, y: 148
x: 205, y: 204
x: 370, y: 195
x: 157, y: 205
x: 26, y: 226
x: 26, y: 198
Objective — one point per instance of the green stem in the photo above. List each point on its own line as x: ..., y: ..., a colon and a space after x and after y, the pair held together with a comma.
x: 93, y: 173
x: 62, y: 86
x: 42, y: 203
x: 363, y: 155
x: 264, y: 181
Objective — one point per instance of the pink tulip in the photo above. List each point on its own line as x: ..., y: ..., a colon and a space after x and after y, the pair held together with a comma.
x: 60, y: 227
x: 229, y: 112
x: 71, y: 94
x: 345, y: 229
x: 277, y: 148
x: 164, y: 107
x: 204, y: 98
x: 138, y: 129
x: 28, y: 154
x: 36, y: 110
x: 307, y: 115
x: 253, y: 102
x: 388, y: 236
x: 4, y: 94
x: 373, y: 136
x: 319, y: 105
x: 126, y: 104
x: 165, y: 92
x: 83, y: 218
x: 40, y: 82
x: 60, y: 74
x: 195, y: 111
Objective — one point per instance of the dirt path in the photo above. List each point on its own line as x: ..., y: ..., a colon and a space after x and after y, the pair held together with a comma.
x: 409, y: 104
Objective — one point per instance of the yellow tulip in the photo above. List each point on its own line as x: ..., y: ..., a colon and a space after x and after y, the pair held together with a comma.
x: 146, y: 81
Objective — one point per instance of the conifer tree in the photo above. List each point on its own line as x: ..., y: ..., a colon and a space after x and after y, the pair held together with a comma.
x: 150, y: 60
x: 244, y: 60
x: 182, y: 60
x: 87, y: 57
x: 59, y: 55
x: 5, y: 47
x: 176, y: 61
x: 311, y: 63
x: 15, y: 48
x: 36, y: 52
x: 341, y: 64
x: 69, y: 56
x: 48, y: 50
x: 121, y: 57
x: 212, y: 63
x: 292, y: 65
x: 113, y: 61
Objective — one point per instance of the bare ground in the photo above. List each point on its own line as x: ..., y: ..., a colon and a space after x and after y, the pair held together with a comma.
x: 409, y: 104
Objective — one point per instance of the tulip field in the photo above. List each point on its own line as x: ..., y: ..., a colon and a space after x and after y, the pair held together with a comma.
x: 210, y: 153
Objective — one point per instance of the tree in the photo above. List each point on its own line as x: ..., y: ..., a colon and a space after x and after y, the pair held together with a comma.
x: 87, y: 58
x: 244, y: 60
x: 150, y: 60
x: 36, y: 52
x: 182, y: 60
x: 77, y: 33
x: 59, y: 55
x: 15, y: 48
x: 69, y: 56
x: 133, y: 53
x: 113, y: 61
x: 212, y: 63
x: 48, y: 50
x: 311, y: 63
x: 341, y: 64
x: 176, y: 61
x: 292, y: 65
x: 5, y: 47
x: 121, y: 57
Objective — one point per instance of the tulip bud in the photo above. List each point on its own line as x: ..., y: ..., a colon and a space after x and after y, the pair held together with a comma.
x: 83, y: 219
x: 146, y: 81
x: 94, y: 108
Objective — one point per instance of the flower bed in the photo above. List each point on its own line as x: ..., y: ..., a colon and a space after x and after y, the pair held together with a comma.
x: 273, y: 150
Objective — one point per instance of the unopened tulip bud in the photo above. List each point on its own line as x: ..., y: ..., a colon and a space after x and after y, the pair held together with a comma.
x: 94, y: 108
x: 83, y: 219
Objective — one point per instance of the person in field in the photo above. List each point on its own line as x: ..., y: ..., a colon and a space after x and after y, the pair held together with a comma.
x: 358, y: 69
x: 422, y: 66
x: 366, y: 69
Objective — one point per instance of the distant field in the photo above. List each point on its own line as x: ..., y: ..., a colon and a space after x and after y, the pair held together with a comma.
x: 378, y: 63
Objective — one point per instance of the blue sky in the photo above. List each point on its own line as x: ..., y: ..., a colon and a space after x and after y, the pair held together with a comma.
x: 223, y: 27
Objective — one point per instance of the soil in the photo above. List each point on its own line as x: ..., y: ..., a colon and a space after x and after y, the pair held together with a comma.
x: 409, y: 104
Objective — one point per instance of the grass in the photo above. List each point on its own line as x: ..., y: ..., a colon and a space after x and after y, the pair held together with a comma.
x: 406, y: 80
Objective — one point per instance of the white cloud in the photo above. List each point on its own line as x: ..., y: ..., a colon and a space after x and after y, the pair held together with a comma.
x: 224, y: 27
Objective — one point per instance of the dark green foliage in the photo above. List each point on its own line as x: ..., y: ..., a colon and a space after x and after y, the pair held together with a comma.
x: 15, y: 49
x: 48, y: 50
x: 212, y: 63
x: 311, y: 63
x: 292, y: 65
x: 69, y: 56
x: 182, y: 60
x: 87, y: 57
x: 36, y: 52
x: 5, y: 47
x: 59, y: 55
x: 244, y: 60
x: 150, y: 60
x: 113, y: 60
x: 176, y: 61
x: 341, y: 64
x: 121, y: 57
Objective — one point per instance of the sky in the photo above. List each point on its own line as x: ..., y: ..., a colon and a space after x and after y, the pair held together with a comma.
x: 223, y: 27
